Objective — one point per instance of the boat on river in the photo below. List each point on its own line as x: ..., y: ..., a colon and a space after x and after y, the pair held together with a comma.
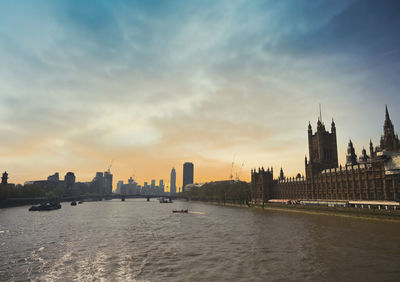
x: 165, y: 200
x: 46, y: 207
x: 73, y: 203
x: 180, y: 211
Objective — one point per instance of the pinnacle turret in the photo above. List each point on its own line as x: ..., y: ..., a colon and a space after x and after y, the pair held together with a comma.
x: 387, y: 113
x: 389, y: 140
x: 351, y: 157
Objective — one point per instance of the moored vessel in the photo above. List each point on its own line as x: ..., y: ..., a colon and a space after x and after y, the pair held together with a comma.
x: 180, y: 211
x: 46, y: 207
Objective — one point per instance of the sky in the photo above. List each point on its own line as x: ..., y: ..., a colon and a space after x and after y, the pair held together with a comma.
x: 153, y: 84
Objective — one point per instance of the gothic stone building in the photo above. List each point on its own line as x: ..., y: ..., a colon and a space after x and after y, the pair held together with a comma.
x: 374, y: 177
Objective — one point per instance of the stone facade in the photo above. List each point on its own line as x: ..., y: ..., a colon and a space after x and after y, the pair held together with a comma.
x: 262, y: 185
x: 375, y: 177
x: 322, y: 148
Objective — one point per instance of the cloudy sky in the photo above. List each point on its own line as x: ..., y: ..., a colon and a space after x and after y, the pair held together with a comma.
x: 152, y: 84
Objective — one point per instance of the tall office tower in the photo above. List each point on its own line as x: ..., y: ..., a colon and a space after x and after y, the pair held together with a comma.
x: 187, y: 175
x: 69, y: 180
x: 153, y: 187
x: 108, y: 182
x: 119, y: 187
x: 172, y: 189
x: 98, y: 183
x: 161, y: 186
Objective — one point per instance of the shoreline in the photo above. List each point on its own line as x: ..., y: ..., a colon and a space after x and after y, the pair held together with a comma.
x: 359, y: 213
x: 20, y: 202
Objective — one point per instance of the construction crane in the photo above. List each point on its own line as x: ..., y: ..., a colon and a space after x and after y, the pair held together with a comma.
x: 109, y: 167
x: 233, y: 163
x: 238, y: 173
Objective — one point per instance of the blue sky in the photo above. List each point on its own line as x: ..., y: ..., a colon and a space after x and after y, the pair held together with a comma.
x: 152, y: 84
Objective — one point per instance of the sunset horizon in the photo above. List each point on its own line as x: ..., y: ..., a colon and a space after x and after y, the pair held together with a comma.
x: 152, y: 85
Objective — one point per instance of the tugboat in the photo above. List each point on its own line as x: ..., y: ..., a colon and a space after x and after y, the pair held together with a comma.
x: 180, y: 211
x: 46, y: 207
x: 73, y: 203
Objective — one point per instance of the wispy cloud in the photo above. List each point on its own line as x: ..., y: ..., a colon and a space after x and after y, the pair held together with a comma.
x: 155, y: 83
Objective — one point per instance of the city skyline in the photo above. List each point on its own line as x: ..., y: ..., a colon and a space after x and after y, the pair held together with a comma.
x: 153, y: 85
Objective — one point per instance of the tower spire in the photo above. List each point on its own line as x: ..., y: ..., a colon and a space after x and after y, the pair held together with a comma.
x: 389, y: 140
x: 387, y: 117
x: 320, y: 112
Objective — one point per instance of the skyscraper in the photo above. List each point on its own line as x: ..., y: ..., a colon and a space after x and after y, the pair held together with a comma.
x: 172, y: 189
x: 153, y: 187
x: 161, y: 187
x: 69, y: 180
x: 119, y: 187
x: 108, y: 182
x: 98, y: 183
x: 187, y: 175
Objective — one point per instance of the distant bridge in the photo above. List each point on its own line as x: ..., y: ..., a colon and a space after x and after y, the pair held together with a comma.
x: 135, y: 196
x: 10, y: 202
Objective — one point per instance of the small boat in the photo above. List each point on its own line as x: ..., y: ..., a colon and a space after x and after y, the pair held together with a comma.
x: 73, y: 203
x: 180, y: 211
x: 46, y: 207
x: 80, y: 202
x: 164, y: 200
x: 123, y: 199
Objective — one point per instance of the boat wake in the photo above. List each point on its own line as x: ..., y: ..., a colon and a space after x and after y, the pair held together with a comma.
x: 195, y: 212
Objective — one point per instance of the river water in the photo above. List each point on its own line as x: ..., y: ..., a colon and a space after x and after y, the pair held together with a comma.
x: 138, y: 240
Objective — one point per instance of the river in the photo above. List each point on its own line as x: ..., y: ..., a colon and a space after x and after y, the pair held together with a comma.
x: 145, y: 241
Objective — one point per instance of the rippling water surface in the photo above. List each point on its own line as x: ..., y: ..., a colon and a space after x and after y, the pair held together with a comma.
x: 138, y: 240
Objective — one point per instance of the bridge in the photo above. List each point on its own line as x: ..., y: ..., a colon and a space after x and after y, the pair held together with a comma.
x: 11, y: 202
x: 134, y: 196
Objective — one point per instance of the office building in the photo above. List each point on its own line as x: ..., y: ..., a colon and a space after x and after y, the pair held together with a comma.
x: 187, y: 175
x: 172, y: 189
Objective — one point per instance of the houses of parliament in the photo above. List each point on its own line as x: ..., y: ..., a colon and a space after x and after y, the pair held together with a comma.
x: 373, y: 176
